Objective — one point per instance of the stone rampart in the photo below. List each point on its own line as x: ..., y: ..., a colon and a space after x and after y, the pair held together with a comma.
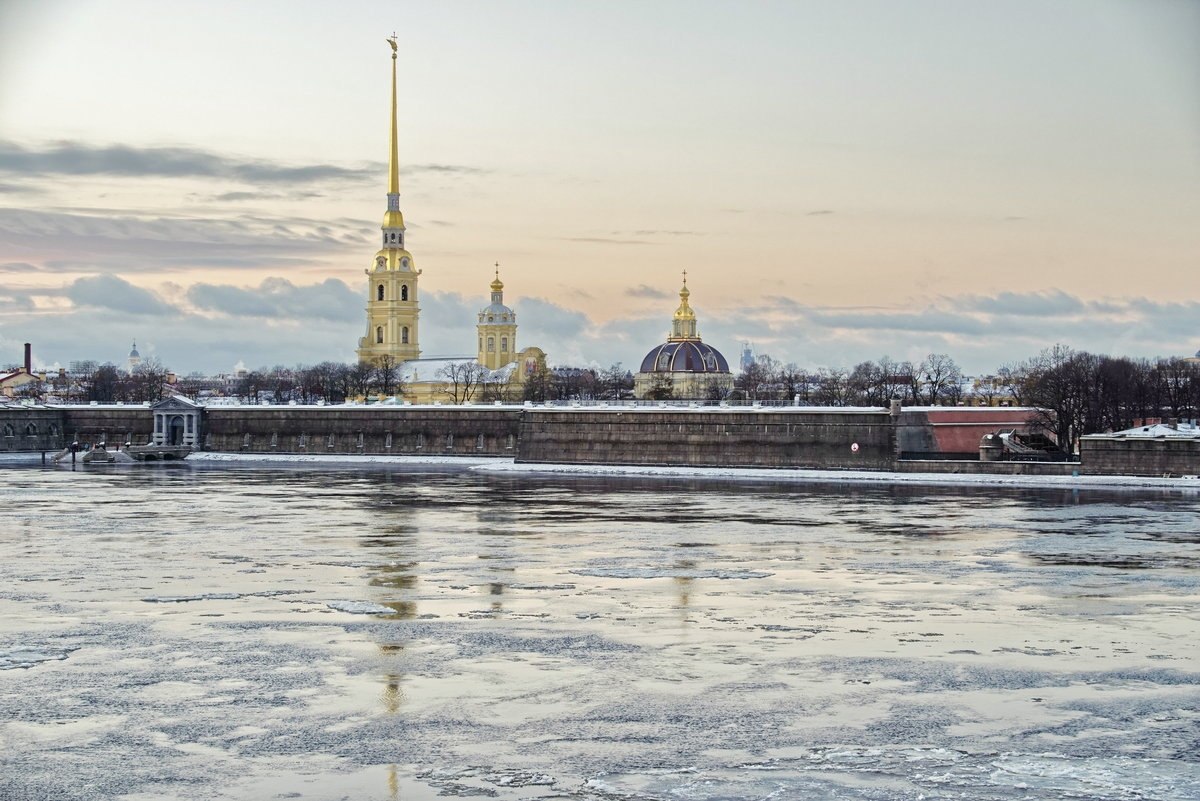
x: 401, y: 430
x: 114, y: 424
x: 707, y: 436
x: 24, y: 428
x: 1106, y: 455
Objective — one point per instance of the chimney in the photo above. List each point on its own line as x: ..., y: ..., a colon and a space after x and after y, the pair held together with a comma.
x: 28, y: 358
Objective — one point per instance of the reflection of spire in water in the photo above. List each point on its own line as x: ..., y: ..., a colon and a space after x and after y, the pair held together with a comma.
x: 393, y: 695
x: 393, y: 782
x: 496, y: 589
x: 683, y: 585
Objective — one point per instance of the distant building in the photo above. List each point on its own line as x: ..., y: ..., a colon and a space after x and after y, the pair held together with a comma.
x: 12, y: 381
x: 747, y: 360
x: 134, y: 360
x: 684, y: 365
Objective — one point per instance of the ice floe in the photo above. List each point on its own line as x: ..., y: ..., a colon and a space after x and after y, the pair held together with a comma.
x: 27, y: 657
x: 360, y: 607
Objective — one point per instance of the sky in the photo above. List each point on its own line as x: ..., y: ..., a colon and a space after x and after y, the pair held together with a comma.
x: 841, y: 180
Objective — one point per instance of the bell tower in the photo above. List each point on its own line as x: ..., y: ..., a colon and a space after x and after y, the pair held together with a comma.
x: 497, y: 329
x: 392, y: 308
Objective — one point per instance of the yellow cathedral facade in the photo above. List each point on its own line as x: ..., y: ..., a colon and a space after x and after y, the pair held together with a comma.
x: 393, y: 311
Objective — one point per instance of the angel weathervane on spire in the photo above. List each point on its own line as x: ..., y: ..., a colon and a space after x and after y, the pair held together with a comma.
x: 392, y: 41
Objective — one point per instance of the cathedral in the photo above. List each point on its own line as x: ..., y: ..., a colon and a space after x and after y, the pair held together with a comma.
x: 683, y: 367
x: 393, y: 313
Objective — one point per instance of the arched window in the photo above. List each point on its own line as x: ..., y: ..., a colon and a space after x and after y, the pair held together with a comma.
x: 31, y: 430
x: 504, y: 344
x: 481, y: 343
x: 401, y: 240
x: 491, y: 344
x: 404, y: 292
x: 404, y: 335
x: 710, y: 362
x: 379, y: 293
x: 393, y: 237
x: 664, y: 360
x: 379, y: 333
x: 8, y: 430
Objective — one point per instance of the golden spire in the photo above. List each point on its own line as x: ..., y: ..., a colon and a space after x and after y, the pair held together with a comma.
x: 393, y: 218
x: 394, y: 164
x: 684, y: 324
x: 497, y: 285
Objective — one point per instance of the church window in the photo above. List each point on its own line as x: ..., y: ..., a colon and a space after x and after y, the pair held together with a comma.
x: 491, y: 344
x: 491, y: 319
x: 449, y: 441
x: 379, y: 333
x: 404, y: 335
x: 8, y: 430
x: 379, y: 293
x: 479, y: 442
x: 404, y: 292
x: 664, y: 360
x: 393, y: 237
x: 31, y: 430
x: 504, y: 344
x: 710, y: 362
x: 401, y: 240
x: 481, y: 343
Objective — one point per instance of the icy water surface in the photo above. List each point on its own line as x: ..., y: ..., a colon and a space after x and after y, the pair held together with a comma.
x: 190, y: 632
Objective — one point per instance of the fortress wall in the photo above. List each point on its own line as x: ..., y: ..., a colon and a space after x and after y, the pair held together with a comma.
x: 450, y: 431
x: 109, y: 423
x: 767, y: 437
x: 1139, y: 456
x: 30, y: 429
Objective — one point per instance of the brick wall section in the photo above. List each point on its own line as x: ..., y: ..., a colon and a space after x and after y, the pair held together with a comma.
x: 709, y: 437
x: 453, y: 431
x: 1112, y: 456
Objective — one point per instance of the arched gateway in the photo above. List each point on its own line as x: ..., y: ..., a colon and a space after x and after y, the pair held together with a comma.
x: 177, y: 422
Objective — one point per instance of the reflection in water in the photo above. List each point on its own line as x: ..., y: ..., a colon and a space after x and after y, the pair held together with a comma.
x: 848, y: 642
x: 683, y: 585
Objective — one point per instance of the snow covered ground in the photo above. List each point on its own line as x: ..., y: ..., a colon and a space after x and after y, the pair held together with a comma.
x: 403, y: 631
x: 504, y: 465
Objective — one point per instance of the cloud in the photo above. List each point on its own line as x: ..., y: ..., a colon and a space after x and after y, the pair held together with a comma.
x: 278, y: 298
x: 601, y: 240
x: 83, y: 159
x: 19, y: 267
x: 138, y: 243
x: 1037, y: 304
x: 280, y: 322
x: 116, y: 294
x: 819, y: 212
x: 647, y: 291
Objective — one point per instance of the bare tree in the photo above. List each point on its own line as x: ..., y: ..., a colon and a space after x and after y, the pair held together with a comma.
x: 941, y: 379
x: 463, y: 380
x: 386, y: 377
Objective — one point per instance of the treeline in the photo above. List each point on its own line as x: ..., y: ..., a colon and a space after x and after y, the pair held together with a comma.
x: 104, y: 383
x: 936, y: 380
x: 1081, y: 393
x: 1076, y: 392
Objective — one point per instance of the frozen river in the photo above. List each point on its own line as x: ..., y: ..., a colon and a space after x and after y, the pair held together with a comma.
x: 237, y: 632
